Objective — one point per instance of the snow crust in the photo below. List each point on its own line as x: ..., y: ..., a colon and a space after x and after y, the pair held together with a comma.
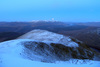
x: 46, y: 36
x: 16, y: 61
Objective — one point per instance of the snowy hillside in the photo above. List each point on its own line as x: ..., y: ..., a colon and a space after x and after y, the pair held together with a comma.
x: 14, y: 54
x: 42, y: 48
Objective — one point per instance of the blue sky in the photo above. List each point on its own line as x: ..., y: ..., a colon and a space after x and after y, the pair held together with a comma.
x: 61, y: 10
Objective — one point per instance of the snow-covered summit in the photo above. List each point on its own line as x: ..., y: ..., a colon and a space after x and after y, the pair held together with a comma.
x: 46, y: 36
x: 38, y: 46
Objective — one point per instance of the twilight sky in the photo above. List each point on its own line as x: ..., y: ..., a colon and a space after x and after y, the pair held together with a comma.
x: 61, y: 10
